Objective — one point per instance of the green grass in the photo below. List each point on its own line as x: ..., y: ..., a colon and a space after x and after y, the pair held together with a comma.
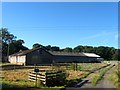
x: 114, y: 76
x: 90, y: 66
x: 85, y: 66
x: 19, y: 83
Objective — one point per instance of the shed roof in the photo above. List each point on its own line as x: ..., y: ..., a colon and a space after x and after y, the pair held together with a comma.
x: 24, y: 52
x: 66, y: 53
x: 91, y: 55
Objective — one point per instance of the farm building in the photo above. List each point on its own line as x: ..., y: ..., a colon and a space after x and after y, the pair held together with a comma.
x: 41, y: 56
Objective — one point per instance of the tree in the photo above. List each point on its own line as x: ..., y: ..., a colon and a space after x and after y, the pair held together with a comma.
x: 55, y: 48
x: 37, y: 45
x: 116, y: 56
x: 68, y: 49
x: 48, y: 47
x: 9, y: 43
x: 6, y: 36
x: 78, y: 48
x: 88, y: 49
x: 16, y: 46
x: 104, y: 52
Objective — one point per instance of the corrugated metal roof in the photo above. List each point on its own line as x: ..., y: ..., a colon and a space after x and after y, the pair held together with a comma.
x: 91, y: 55
x: 66, y: 53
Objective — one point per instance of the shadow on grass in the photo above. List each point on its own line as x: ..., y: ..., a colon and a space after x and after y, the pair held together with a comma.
x: 15, y: 87
x: 72, y: 83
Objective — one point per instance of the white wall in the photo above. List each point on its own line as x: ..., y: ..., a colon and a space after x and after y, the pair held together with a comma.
x: 12, y: 59
x: 17, y: 59
x: 22, y: 58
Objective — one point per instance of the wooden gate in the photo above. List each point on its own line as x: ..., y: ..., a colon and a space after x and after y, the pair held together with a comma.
x: 49, y: 78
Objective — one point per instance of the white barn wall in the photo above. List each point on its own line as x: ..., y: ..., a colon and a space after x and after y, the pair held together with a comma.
x: 20, y: 60
x: 12, y: 59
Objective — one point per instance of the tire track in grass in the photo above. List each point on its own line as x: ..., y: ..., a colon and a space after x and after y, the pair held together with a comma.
x: 84, y: 80
x: 102, y: 83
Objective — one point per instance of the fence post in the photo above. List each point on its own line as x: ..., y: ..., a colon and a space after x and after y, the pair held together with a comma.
x: 14, y: 67
x: 45, y: 78
x: 76, y: 67
x: 36, y: 80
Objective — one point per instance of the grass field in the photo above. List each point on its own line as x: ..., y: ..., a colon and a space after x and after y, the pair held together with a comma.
x: 91, y: 66
x: 17, y: 76
x: 114, y: 76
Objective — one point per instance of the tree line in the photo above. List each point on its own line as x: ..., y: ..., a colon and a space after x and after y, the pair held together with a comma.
x: 11, y: 45
x: 108, y: 53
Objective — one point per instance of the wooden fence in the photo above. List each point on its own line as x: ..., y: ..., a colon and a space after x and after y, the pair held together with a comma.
x: 66, y: 66
x: 49, y: 78
x: 37, y: 76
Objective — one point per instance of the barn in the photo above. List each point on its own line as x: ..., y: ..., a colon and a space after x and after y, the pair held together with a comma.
x: 41, y: 56
x: 68, y: 57
x: 30, y: 57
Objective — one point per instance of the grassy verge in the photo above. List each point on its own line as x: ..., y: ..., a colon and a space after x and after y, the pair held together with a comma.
x: 114, y: 76
x: 20, y: 83
x: 100, y: 75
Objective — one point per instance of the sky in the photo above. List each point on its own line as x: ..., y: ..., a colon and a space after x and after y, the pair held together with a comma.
x: 63, y: 24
